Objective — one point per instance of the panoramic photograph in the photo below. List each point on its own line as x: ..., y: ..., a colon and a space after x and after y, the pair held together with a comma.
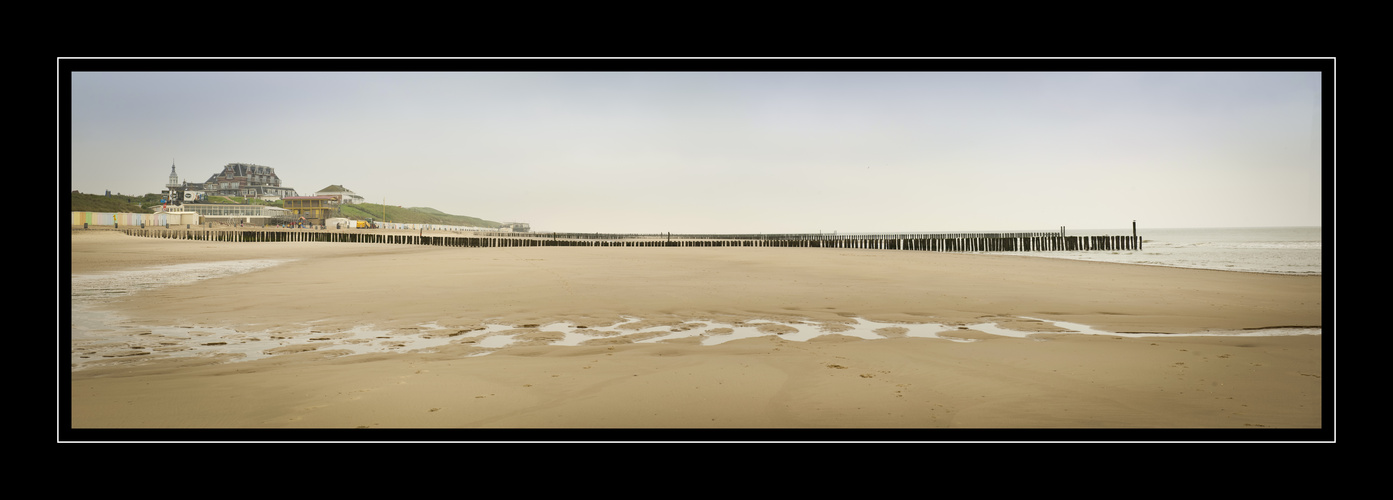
x: 710, y: 250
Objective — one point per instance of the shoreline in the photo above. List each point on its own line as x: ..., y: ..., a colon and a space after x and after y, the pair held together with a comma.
x: 1078, y: 255
x: 749, y: 377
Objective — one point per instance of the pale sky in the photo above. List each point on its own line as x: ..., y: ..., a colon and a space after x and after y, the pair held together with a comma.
x: 733, y: 152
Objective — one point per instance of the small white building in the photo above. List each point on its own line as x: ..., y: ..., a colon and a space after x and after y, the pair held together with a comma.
x: 345, y: 195
x: 340, y: 223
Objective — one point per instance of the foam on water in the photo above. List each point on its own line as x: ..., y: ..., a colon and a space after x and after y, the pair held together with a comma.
x: 93, y: 287
x: 90, y: 289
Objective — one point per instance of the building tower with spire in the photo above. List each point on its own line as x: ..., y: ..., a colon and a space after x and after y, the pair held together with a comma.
x: 173, y: 178
x: 174, y: 190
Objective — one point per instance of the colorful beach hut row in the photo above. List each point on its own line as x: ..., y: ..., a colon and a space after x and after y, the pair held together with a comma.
x: 118, y: 219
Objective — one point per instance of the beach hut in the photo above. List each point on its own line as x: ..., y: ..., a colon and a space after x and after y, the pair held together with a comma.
x: 181, y: 218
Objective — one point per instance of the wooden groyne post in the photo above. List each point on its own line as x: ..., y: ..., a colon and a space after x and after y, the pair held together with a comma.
x: 961, y: 242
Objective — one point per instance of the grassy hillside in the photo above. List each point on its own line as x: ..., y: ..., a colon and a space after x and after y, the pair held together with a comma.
x: 417, y: 215
x: 145, y: 204
x: 116, y: 203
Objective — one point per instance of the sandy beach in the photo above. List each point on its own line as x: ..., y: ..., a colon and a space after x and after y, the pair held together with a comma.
x: 1054, y: 379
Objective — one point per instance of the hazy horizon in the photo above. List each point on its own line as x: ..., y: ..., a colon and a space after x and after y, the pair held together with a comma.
x: 734, y: 152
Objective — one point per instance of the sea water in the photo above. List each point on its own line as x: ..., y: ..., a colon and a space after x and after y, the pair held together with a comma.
x: 1275, y: 250
x: 102, y: 335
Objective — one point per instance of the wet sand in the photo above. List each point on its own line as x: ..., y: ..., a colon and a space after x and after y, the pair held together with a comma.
x: 1051, y: 380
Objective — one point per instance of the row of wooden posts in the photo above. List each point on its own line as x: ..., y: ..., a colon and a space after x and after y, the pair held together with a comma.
x: 1041, y: 242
